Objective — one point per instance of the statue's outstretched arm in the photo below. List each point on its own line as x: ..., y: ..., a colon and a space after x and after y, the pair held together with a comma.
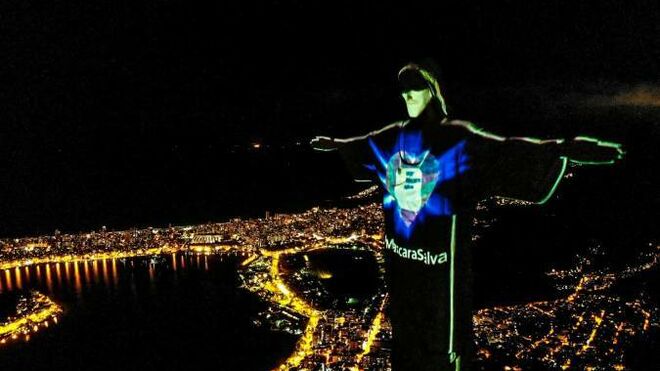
x: 322, y: 143
x: 591, y: 151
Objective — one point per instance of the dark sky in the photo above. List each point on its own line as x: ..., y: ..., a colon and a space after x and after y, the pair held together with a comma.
x: 142, y: 65
x: 106, y: 88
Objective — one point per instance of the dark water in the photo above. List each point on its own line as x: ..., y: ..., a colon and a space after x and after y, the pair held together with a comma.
x: 143, y: 314
x: 346, y: 278
x: 354, y: 272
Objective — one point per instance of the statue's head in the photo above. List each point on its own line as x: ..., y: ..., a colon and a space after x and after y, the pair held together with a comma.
x: 419, y: 87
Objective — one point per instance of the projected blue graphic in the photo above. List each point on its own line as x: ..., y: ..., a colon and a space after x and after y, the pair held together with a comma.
x: 411, y: 176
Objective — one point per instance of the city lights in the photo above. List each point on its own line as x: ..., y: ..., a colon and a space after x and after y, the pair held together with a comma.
x: 32, y: 311
x: 585, y: 326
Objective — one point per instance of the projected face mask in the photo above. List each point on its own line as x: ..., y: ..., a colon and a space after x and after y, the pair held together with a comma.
x: 416, y: 101
x: 415, y: 91
x: 418, y: 88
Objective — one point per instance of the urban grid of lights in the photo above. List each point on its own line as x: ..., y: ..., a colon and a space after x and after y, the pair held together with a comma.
x: 33, y: 312
x: 285, y: 297
x: 589, y: 328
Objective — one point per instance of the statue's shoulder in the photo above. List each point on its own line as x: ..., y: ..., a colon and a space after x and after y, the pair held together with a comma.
x: 462, y: 124
x: 393, y: 125
x: 385, y: 129
x: 470, y: 127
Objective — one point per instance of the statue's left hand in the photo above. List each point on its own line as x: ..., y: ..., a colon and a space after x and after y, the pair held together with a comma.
x: 321, y: 143
x: 592, y: 151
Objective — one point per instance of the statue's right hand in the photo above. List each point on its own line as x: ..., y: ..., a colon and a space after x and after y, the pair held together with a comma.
x: 324, y: 144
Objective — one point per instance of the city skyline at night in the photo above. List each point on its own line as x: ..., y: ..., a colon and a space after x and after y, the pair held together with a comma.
x: 586, y: 325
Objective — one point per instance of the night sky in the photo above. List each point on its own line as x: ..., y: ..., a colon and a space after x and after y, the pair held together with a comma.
x: 95, y: 95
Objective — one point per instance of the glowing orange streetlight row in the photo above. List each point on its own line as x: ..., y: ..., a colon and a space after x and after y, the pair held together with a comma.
x: 31, y: 319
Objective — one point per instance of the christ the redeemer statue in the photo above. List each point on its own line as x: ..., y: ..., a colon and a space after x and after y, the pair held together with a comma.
x: 433, y: 171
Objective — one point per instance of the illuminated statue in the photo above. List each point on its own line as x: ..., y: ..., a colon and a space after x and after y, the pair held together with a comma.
x: 433, y: 171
